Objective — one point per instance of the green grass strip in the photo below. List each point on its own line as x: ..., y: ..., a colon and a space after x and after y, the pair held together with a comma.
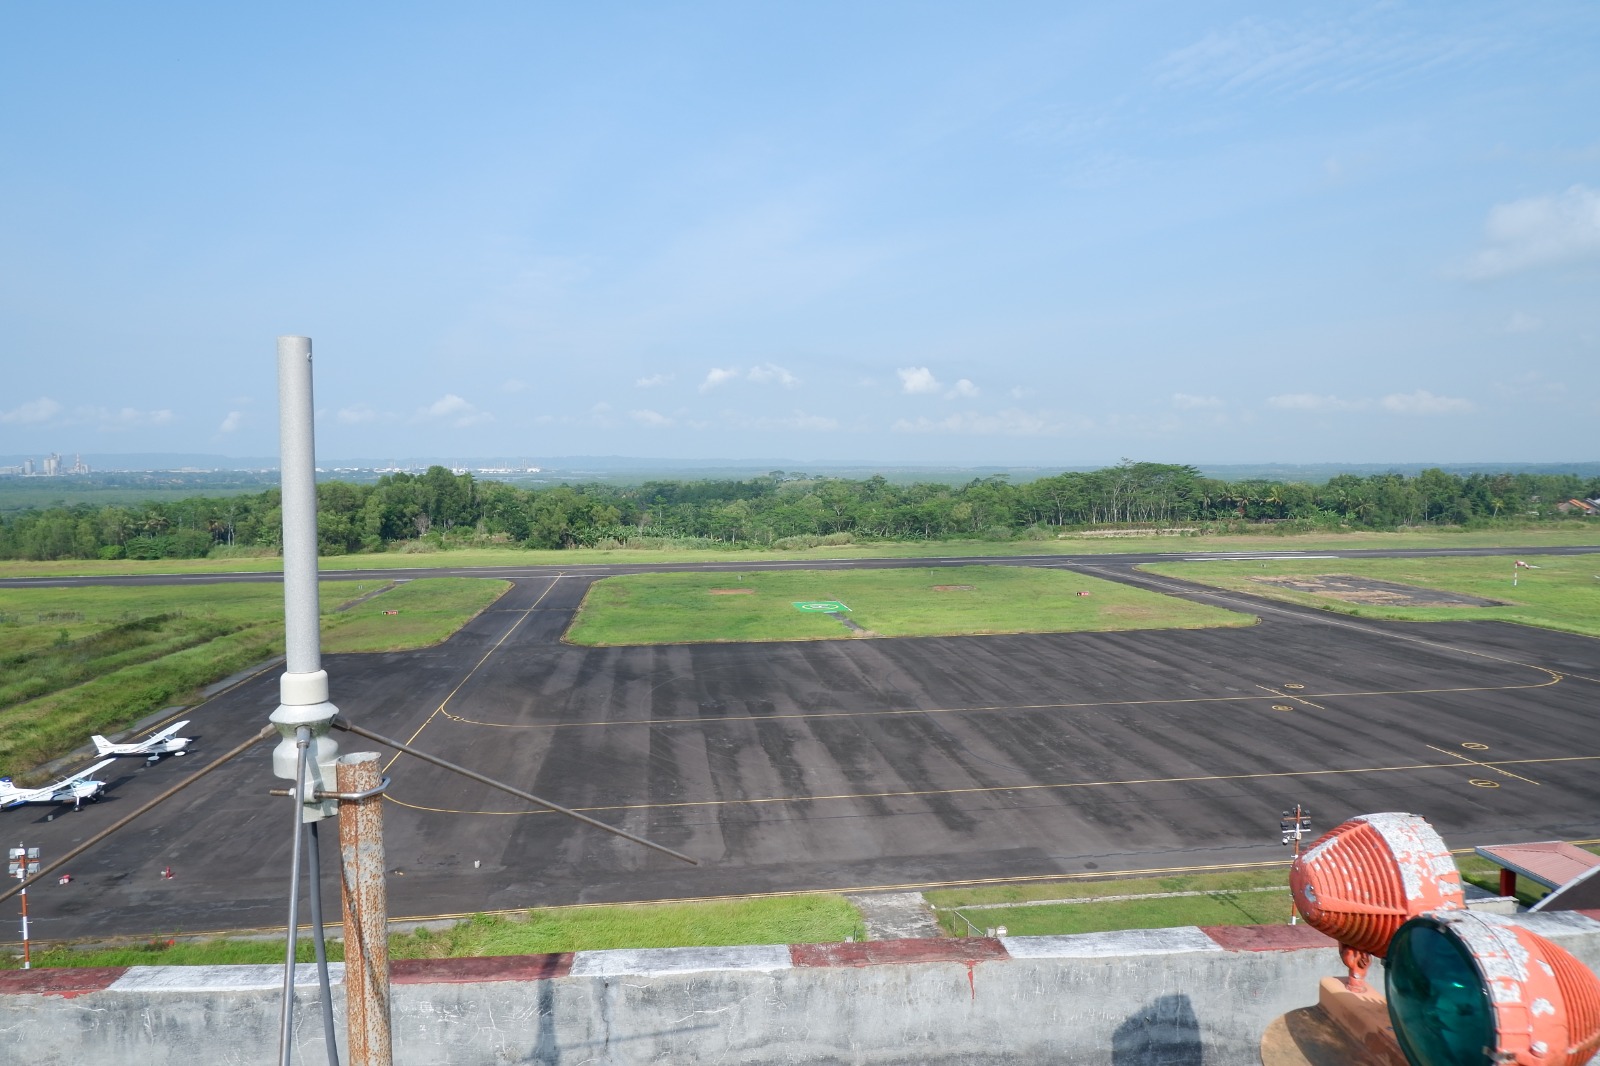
x: 1563, y: 593
x: 212, y: 632
x: 913, y: 602
x: 801, y: 919
x: 1529, y: 535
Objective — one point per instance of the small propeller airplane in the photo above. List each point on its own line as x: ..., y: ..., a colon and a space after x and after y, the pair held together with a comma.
x: 153, y: 746
x: 73, y: 790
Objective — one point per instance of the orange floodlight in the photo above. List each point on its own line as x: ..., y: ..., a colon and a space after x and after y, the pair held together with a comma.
x: 1465, y: 987
x: 1360, y: 882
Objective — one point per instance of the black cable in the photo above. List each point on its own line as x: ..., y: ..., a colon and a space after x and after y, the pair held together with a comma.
x: 302, y: 738
x: 319, y: 942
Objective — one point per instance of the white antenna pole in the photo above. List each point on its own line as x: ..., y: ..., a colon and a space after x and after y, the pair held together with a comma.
x: 303, y: 689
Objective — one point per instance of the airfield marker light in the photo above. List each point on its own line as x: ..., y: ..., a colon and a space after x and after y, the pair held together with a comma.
x: 1465, y: 987
x: 1362, y: 880
x: 24, y: 861
x: 1292, y: 825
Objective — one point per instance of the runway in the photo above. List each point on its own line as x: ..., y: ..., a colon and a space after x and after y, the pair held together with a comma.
x: 853, y: 764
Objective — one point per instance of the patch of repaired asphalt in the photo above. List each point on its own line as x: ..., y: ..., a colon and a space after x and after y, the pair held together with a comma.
x: 856, y: 628
x: 895, y: 915
x: 1365, y: 590
x: 363, y: 599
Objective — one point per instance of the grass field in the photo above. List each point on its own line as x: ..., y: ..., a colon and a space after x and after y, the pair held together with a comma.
x: 801, y: 919
x: 1563, y: 593
x: 699, y: 607
x: 1261, y: 907
x: 1230, y: 897
x: 95, y: 660
x: 1223, y: 897
x: 1541, y: 535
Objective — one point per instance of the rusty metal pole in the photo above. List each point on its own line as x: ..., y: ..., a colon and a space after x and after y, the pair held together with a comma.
x: 366, y: 912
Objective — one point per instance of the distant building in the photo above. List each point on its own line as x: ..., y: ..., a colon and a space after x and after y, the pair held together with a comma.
x: 1588, y: 507
x: 28, y: 468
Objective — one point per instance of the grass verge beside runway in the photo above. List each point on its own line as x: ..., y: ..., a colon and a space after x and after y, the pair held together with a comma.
x: 1566, y: 534
x: 802, y: 919
x: 95, y: 660
x: 922, y: 602
x: 1562, y: 593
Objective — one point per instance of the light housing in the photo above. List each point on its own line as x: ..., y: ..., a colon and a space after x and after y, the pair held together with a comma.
x: 1362, y: 880
x: 1467, y: 988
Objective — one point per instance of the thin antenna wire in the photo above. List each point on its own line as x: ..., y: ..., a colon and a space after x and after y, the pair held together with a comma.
x: 349, y: 727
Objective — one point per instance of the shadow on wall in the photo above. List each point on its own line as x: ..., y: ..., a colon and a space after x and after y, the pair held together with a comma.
x: 1163, y: 1032
x: 545, y: 1051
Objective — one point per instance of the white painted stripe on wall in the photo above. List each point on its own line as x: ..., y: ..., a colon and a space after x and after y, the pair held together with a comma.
x: 1107, y: 945
x: 645, y: 962
x: 218, y: 978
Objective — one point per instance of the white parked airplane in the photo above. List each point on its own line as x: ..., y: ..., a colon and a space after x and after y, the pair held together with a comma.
x: 154, y: 746
x: 73, y: 790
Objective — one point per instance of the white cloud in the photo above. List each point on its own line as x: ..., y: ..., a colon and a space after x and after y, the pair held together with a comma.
x: 1008, y: 423
x: 917, y: 379
x: 232, y: 423
x: 358, y: 415
x: 772, y: 372
x: 799, y: 420
x: 109, y: 420
x: 1423, y: 402
x: 1536, y: 232
x: 1531, y: 383
x: 454, y: 411
x: 513, y: 385
x: 653, y: 419
x: 654, y: 381
x: 962, y: 389
x: 1184, y: 401
x: 1520, y: 322
x: 1019, y: 392
x: 41, y: 410
x: 718, y: 376
x: 1339, y: 55
x: 1307, y: 401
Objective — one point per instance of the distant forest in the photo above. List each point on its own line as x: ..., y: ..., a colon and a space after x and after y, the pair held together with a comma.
x: 439, y: 510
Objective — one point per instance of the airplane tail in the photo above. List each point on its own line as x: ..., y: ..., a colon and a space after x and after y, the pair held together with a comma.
x: 101, y: 744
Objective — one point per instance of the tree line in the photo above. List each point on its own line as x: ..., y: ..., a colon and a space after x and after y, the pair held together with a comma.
x: 440, y: 509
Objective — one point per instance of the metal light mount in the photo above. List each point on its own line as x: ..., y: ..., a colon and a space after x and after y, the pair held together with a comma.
x: 303, y: 689
x: 22, y: 862
x: 1292, y: 825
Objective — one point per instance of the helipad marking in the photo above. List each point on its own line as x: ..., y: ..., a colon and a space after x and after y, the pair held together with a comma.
x: 821, y: 606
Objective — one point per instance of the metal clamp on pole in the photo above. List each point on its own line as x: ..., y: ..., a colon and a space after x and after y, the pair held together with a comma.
x: 320, y: 794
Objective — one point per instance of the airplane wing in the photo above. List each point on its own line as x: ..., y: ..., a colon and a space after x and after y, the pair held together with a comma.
x: 80, y: 775
x: 165, y: 733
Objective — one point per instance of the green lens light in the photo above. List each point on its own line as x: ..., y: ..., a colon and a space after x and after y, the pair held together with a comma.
x: 1437, y: 1000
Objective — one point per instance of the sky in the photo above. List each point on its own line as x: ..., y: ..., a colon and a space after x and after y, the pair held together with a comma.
x: 955, y: 233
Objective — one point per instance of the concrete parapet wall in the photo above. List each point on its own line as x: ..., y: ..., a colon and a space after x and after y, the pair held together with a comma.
x: 1173, y: 997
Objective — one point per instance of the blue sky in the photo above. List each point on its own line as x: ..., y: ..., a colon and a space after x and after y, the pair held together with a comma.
x: 922, y: 232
